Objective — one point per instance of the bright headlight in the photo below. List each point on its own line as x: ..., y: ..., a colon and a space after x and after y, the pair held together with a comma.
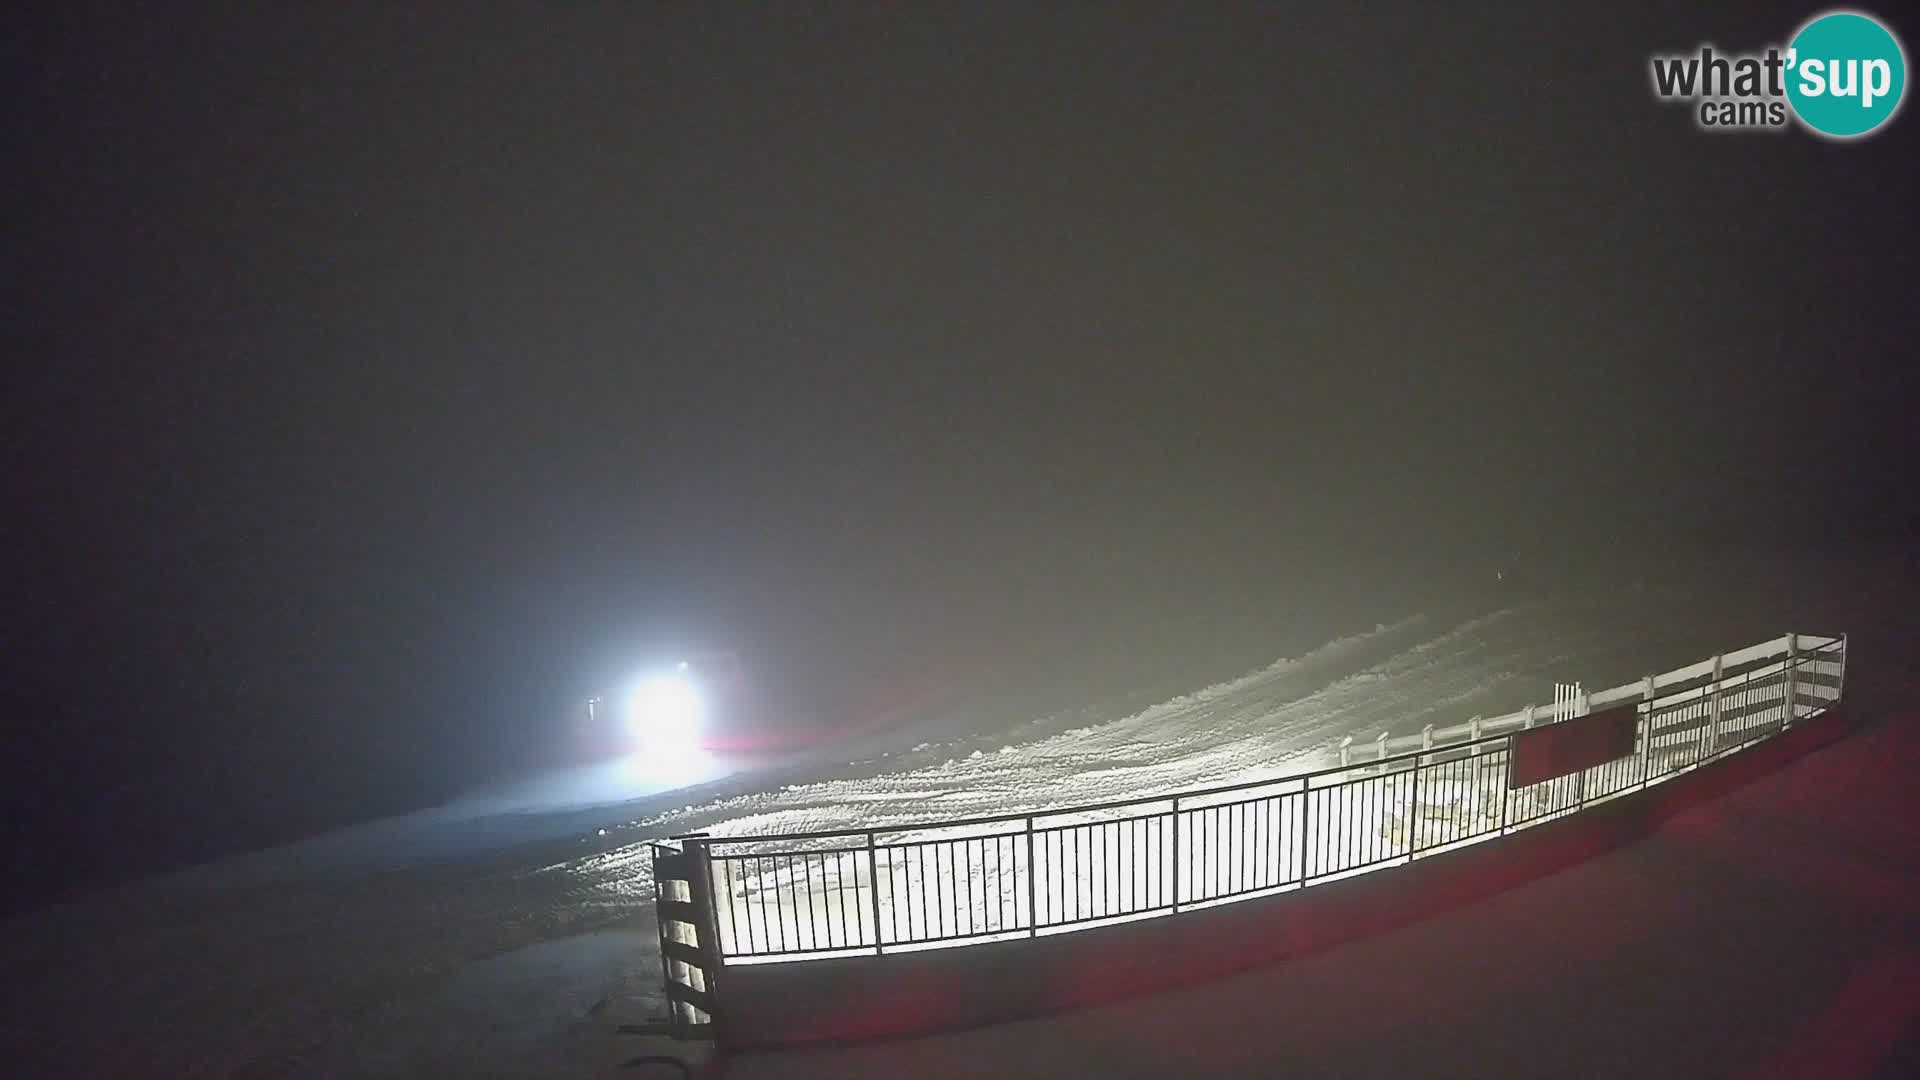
x: 665, y: 712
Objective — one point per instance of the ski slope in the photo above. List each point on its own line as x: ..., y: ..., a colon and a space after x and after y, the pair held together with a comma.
x: 500, y: 939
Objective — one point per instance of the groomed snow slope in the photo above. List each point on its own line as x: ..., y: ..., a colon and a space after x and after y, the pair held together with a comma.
x: 498, y: 957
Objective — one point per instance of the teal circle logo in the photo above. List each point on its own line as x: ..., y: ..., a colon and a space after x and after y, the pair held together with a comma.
x: 1846, y: 74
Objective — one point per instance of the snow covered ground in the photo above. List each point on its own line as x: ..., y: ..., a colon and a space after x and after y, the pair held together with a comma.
x: 507, y: 935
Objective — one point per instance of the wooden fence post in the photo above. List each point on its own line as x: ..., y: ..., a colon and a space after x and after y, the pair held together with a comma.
x: 1786, y: 717
x: 1646, y: 727
x: 1713, y: 706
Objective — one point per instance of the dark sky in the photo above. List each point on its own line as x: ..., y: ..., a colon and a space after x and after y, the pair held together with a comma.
x: 383, y: 379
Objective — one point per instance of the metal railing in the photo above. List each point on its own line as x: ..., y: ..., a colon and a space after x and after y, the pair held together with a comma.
x: 921, y: 886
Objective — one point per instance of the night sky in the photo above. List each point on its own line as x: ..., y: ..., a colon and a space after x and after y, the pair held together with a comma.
x: 382, y: 380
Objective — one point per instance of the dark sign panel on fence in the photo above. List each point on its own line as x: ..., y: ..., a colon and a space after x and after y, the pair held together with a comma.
x: 1557, y: 750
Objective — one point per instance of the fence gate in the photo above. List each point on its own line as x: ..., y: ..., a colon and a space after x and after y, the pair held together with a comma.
x: 689, y: 938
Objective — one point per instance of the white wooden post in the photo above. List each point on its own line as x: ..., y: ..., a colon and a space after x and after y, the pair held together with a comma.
x: 1346, y: 751
x: 1786, y: 717
x: 1841, y: 690
x: 1646, y: 725
x: 1713, y: 707
x: 1568, y: 704
x: 1426, y: 737
x: 1473, y: 735
x: 1526, y: 717
x: 1380, y: 748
